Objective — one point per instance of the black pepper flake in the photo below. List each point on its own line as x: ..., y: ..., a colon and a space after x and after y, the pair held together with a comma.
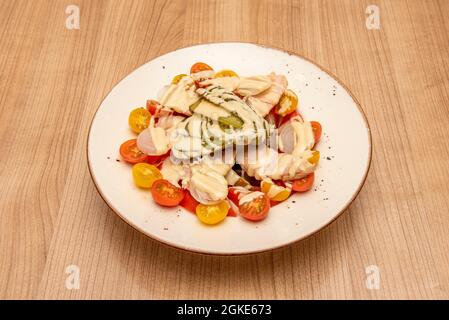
x: 163, y: 67
x: 165, y: 228
x: 333, y: 94
x: 118, y: 160
x: 293, y: 201
x: 108, y: 158
x: 307, y: 84
x: 328, y: 158
x: 319, y: 78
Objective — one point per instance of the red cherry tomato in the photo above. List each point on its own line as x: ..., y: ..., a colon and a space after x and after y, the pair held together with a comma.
x: 166, y: 194
x: 274, y: 203
x: 189, y: 203
x: 130, y: 153
x: 316, y: 127
x: 303, y: 184
x: 199, y: 66
x: 256, y: 209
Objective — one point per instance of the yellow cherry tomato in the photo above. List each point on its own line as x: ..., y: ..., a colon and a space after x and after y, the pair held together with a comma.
x: 275, y: 192
x: 212, y: 214
x: 226, y: 73
x: 139, y: 119
x: 287, y: 104
x: 177, y: 78
x: 145, y: 174
x: 315, y: 157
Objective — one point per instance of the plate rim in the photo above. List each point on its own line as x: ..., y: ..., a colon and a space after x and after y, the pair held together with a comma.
x: 245, y: 253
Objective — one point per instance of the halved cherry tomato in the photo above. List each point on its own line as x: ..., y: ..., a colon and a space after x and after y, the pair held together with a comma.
x: 256, y: 209
x: 177, y: 78
x: 152, y: 106
x: 303, y: 184
x: 130, y: 153
x: 316, y: 127
x: 226, y: 73
x: 166, y: 194
x: 275, y: 191
x: 214, y: 213
x: 189, y: 202
x: 145, y: 174
x: 139, y: 119
x: 287, y: 104
x: 199, y: 66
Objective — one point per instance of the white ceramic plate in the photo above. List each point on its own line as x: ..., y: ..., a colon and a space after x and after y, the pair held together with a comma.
x: 345, y: 152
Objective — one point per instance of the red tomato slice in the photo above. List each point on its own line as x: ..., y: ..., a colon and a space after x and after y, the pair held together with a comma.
x: 199, y: 66
x: 130, y: 153
x: 274, y: 203
x: 257, y: 209
x: 152, y: 106
x: 303, y: 184
x: 166, y: 194
x: 233, y: 195
x: 316, y: 127
x: 189, y: 202
x: 157, y: 160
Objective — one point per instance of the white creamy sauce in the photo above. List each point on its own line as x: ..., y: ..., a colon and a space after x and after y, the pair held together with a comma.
x: 208, y: 186
x: 210, y: 110
x: 201, y: 134
x: 251, y: 86
x: 175, y: 173
x: 296, y: 135
x: 229, y: 83
x: 180, y: 96
x: 250, y: 197
x: 153, y: 140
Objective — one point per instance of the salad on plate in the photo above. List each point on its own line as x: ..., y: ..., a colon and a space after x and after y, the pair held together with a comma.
x: 223, y: 145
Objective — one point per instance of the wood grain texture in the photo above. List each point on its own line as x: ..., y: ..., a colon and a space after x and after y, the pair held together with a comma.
x: 53, y: 79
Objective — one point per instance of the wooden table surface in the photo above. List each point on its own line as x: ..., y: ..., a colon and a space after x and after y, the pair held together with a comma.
x: 52, y: 80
